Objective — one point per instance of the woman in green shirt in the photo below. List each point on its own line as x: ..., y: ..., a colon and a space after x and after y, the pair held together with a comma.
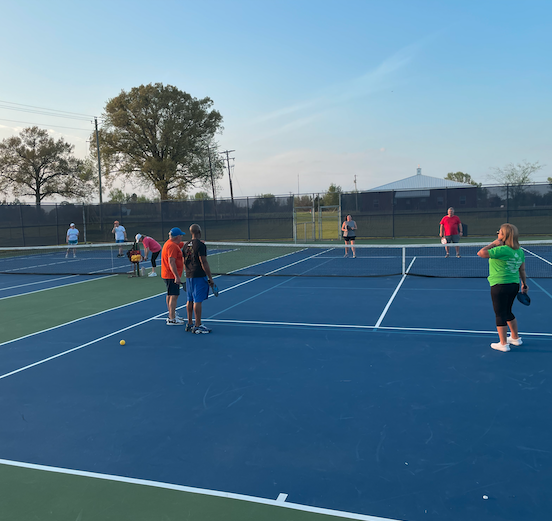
x: 506, y: 268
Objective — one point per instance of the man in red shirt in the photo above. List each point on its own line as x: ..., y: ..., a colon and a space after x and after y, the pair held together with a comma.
x: 450, y: 228
x: 172, y: 266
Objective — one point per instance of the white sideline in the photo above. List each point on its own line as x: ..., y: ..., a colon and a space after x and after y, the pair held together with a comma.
x: 193, y: 490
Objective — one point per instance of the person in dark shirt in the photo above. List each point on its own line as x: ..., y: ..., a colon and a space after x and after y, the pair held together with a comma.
x: 198, y: 279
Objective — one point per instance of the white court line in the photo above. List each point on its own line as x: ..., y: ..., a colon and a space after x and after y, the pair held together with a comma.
x: 386, y: 309
x: 38, y: 282
x: 56, y: 287
x: 533, y: 281
x: 194, y: 490
x: 81, y: 318
x: 538, y: 256
x: 363, y: 327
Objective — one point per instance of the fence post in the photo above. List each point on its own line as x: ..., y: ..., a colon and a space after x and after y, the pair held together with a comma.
x: 247, y: 218
x: 393, y: 213
x: 84, y: 223
x: 507, y: 203
x: 57, y: 225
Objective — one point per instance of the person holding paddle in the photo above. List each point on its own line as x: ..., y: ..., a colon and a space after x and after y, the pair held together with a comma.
x: 506, y: 268
x: 450, y: 229
x: 198, y: 279
x: 349, y: 235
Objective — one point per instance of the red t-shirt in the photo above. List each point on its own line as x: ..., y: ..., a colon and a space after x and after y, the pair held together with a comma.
x: 151, y: 244
x: 171, y: 250
x: 451, y: 224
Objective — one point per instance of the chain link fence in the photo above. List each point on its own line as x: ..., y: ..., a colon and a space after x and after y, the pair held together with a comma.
x: 389, y: 214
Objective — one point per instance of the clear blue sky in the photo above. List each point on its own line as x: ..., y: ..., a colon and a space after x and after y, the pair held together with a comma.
x: 312, y: 92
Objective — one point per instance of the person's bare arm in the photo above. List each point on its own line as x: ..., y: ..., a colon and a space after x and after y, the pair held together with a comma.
x: 172, y: 265
x: 206, y: 268
x: 484, y: 252
x: 523, y: 278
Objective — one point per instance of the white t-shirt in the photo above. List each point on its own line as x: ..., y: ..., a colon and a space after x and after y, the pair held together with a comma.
x: 120, y: 233
x: 72, y: 234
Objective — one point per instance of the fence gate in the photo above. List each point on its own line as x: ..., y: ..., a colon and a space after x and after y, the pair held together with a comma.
x: 304, y: 224
x: 329, y: 223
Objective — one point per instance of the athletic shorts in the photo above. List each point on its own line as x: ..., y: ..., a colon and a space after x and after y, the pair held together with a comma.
x: 119, y: 240
x: 73, y: 243
x: 452, y: 238
x: 173, y: 289
x: 197, y: 289
x: 349, y: 239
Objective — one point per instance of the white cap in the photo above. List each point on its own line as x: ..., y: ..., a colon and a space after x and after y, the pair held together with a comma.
x: 138, y: 237
x: 72, y: 224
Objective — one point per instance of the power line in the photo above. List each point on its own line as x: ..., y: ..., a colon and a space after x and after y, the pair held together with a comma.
x: 50, y: 112
x: 43, y: 125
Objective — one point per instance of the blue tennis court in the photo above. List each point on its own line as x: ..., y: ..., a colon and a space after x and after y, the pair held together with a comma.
x: 355, y: 396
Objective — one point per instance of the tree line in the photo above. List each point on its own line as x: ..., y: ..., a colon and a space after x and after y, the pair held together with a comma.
x: 159, y: 138
x: 155, y: 136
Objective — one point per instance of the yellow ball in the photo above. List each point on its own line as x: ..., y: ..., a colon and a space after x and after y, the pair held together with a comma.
x: 122, y: 342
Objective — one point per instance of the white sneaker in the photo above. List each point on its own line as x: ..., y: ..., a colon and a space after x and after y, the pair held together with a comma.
x: 152, y: 274
x: 515, y: 342
x: 176, y: 322
x: 501, y: 347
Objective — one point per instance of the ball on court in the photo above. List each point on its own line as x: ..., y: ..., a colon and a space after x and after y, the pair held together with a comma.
x: 122, y: 342
x: 485, y: 497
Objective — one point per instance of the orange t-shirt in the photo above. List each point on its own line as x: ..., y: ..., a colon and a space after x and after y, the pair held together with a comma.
x: 174, y: 250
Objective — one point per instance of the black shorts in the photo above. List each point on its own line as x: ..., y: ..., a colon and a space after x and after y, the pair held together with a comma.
x: 349, y: 239
x: 452, y: 238
x: 173, y: 289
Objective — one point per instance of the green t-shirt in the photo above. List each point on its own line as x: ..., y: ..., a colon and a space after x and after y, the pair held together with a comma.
x: 504, y: 263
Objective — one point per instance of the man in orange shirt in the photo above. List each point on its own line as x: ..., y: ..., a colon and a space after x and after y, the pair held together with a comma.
x: 172, y: 266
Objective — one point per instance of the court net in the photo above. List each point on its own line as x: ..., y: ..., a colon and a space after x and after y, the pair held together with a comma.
x: 369, y: 260
x: 82, y: 259
x: 282, y: 259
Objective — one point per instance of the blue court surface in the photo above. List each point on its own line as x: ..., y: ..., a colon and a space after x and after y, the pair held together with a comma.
x: 374, y: 396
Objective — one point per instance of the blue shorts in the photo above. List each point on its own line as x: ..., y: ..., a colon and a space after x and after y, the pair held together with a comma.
x: 72, y: 243
x: 197, y: 289
x: 119, y: 240
x: 173, y: 289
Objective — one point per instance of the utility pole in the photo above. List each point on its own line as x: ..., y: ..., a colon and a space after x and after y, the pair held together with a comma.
x: 212, y: 181
x: 355, y: 184
x: 99, y: 171
x: 227, y: 152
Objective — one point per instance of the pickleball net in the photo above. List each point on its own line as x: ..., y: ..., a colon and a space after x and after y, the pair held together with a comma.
x: 89, y: 259
x: 370, y: 260
x: 285, y: 259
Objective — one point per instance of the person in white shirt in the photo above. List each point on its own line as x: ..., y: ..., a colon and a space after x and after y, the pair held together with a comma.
x: 120, y: 236
x: 72, y: 239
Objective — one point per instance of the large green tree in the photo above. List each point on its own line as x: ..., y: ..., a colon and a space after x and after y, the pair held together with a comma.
x: 157, y: 135
x: 461, y: 177
x: 34, y: 164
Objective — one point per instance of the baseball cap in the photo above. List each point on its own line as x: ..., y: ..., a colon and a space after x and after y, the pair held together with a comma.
x: 138, y: 236
x: 72, y: 224
x: 176, y: 231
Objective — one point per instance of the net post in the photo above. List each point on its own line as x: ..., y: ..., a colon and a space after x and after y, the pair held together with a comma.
x: 404, y: 260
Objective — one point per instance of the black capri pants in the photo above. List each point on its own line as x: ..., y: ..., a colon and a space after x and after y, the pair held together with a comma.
x: 503, y: 296
x: 153, y: 258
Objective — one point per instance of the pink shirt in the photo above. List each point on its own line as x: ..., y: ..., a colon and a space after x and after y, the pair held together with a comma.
x: 451, y: 224
x: 151, y: 244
